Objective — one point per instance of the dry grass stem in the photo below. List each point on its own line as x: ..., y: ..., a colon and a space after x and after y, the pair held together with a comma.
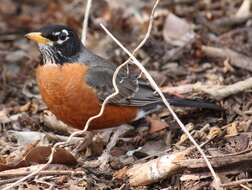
x: 85, y: 22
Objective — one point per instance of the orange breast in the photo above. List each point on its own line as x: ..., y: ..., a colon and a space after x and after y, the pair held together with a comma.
x: 66, y: 94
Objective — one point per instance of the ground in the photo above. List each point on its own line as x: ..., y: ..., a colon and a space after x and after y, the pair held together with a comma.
x: 197, y: 49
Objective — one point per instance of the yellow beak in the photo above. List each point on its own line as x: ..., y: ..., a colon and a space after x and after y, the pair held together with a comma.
x: 37, y: 37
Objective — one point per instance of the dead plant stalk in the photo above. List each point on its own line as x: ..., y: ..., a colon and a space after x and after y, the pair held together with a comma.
x: 85, y: 22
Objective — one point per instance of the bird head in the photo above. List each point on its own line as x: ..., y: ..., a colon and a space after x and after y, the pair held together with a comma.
x: 57, y: 43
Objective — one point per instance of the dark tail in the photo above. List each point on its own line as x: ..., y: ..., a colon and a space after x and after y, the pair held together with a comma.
x: 180, y: 102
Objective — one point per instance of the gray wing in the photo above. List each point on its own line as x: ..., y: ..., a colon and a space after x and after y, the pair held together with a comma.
x: 132, y: 91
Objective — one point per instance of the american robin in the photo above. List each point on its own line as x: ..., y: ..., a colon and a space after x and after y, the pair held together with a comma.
x: 73, y: 82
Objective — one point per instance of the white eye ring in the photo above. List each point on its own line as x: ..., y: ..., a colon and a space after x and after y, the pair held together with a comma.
x: 65, y: 31
x: 62, y: 36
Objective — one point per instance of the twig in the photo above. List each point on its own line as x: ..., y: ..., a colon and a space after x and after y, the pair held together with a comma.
x: 236, y: 183
x: 158, y: 90
x: 85, y: 22
x: 245, y: 187
x: 236, y: 59
x: 216, y: 92
x: 217, y: 161
x: 227, y: 22
x: 181, y: 89
x: 43, y: 181
x: 42, y: 173
x: 221, y: 92
x: 5, y: 181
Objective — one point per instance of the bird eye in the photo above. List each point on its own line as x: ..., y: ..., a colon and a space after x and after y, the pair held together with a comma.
x: 62, y: 36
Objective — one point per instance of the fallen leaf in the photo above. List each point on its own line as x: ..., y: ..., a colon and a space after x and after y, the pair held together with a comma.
x: 28, y: 137
x: 177, y: 31
x: 120, y: 174
x: 38, y: 155
x: 232, y: 129
x: 156, y: 124
x: 214, y: 132
x: 41, y: 154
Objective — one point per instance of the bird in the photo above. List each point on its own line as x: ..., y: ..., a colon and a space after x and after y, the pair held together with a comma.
x: 73, y: 82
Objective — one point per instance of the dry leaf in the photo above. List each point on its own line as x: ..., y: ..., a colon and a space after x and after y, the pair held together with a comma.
x: 177, y: 31
x: 156, y: 124
x: 120, y: 174
x: 38, y: 155
x: 232, y: 129
x: 214, y: 132
x: 28, y: 137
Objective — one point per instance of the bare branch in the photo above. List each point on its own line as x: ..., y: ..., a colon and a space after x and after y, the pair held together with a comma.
x: 217, y: 92
x: 221, y: 92
x: 236, y: 59
x: 236, y: 183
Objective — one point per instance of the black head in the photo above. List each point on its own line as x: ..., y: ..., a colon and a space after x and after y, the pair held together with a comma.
x: 57, y: 43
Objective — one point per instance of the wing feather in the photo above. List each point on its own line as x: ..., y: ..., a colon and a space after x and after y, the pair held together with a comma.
x: 132, y: 92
